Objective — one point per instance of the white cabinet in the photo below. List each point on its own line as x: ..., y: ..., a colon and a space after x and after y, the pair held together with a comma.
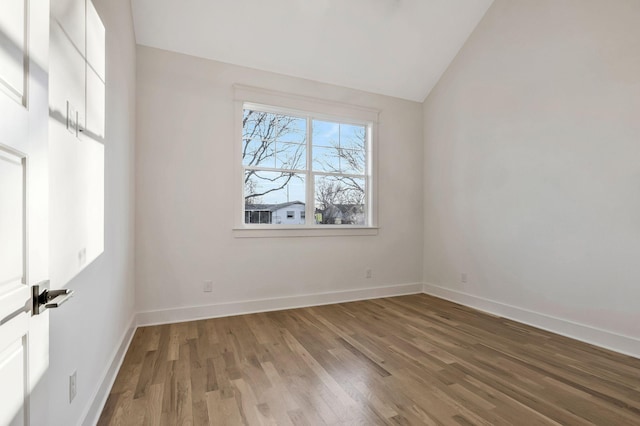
x: 77, y: 121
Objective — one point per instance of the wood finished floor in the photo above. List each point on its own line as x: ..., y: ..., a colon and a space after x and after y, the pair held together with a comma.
x: 414, y: 360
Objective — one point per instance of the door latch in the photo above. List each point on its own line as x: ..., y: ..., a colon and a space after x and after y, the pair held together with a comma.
x: 48, y: 299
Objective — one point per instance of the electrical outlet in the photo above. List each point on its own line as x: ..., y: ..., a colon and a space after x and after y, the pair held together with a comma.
x: 463, y: 277
x: 72, y: 386
x: 207, y: 286
x: 367, y: 273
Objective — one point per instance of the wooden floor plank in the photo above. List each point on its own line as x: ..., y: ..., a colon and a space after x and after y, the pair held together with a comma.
x: 401, y: 360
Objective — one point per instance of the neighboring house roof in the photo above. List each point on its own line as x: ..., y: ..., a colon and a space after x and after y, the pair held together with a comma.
x: 270, y: 207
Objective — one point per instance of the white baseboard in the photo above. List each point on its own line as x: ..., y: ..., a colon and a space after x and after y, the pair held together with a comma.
x: 93, y: 411
x: 623, y: 344
x: 191, y: 313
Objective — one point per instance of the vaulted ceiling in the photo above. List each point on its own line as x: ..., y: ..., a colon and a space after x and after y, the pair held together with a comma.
x: 392, y: 47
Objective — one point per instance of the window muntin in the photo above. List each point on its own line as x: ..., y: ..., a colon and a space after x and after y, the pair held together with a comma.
x: 317, y: 164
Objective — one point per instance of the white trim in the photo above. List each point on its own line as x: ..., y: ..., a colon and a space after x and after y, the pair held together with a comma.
x: 257, y: 231
x: 317, y: 113
x: 192, y: 313
x: 94, y: 410
x: 258, y: 95
x: 603, y: 338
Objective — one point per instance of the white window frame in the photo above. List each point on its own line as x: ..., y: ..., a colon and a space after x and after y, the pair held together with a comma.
x: 320, y: 109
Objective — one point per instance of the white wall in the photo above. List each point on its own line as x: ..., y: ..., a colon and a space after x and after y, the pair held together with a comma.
x: 184, y: 199
x: 87, y: 331
x: 532, y: 167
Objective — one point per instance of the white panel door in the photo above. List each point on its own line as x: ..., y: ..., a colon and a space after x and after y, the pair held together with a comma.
x: 24, y: 245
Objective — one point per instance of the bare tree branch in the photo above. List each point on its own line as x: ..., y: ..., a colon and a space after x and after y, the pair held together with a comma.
x: 268, y: 129
x: 266, y: 144
x: 288, y: 176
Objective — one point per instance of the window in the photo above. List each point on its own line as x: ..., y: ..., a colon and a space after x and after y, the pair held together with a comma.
x: 313, y: 164
x: 253, y: 215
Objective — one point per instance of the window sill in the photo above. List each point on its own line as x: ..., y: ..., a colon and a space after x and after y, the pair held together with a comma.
x: 298, y: 231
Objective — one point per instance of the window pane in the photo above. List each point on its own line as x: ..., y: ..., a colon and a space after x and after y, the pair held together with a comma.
x: 326, y: 159
x: 338, y: 160
x: 352, y: 136
x: 260, y: 125
x: 258, y: 152
x: 338, y: 148
x: 291, y: 155
x: 325, y: 133
x: 340, y: 200
x: 352, y: 161
x: 292, y: 129
x: 262, y: 132
x: 270, y: 195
